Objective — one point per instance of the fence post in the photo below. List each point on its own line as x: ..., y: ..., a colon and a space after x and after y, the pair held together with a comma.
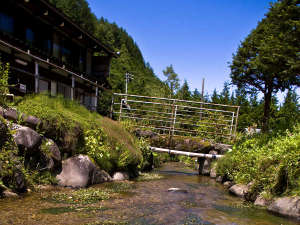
x: 112, y: 106
x: 173, y: 117
x: 236, y: 121
x: 174, y: 120
x: 121, y: 107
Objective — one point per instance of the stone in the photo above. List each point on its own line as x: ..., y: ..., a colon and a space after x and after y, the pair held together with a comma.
x: 222, y: 148
x: 219, y: 179
x: 177, y: 190
x: 145, y: 133
x: 119, y: 176
x: 32, y: 121
x: 228, y: 184
x: 27, y: 138
x: 2, y: 111
x: 79, y: 171
x: 213, y: 171
x: 261, y: 201
x: 51, y: 155
x: 9, y: 194
x: 286, y: 206
x: 239, y: 190
x: 20, y: 181
x: 11, y: 114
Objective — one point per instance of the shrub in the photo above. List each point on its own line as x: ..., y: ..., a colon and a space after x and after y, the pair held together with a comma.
x: 106, y: 141
x: 271, y: 161
x: 4, y: 70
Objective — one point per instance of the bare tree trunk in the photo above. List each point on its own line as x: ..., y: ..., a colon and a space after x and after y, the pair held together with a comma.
x: 267, y: 105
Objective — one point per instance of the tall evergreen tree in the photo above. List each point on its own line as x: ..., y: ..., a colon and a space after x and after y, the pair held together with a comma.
x: 268, y: 59
x: 172, y: 80
x: 184, y: 92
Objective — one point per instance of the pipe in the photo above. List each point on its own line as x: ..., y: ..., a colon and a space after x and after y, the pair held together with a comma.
x: 190, y: 154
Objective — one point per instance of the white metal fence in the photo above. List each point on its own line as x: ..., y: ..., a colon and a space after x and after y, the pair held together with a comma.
x: 176, y: 117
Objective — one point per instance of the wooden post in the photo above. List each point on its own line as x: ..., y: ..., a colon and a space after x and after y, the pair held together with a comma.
x: 36, y: 77
x: 173, y: 117
x: 96, y: 99
x: 73, y: 88
x: 200, y: 161
x: 236, y: 121
x: 121, y: 107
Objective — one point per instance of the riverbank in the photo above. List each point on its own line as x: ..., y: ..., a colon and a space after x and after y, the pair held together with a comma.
x: 265, y: 169
x: 140, y: 202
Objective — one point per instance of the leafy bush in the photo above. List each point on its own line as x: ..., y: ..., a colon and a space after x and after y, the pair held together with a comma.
x: 271, y: 161
x: 4, y: 69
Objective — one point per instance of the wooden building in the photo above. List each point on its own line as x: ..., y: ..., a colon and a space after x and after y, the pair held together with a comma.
x: 47, y: 52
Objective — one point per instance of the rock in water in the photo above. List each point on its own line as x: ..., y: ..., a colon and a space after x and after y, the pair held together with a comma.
x: 239, y: 190
x: 177, y: 190
x: 79, y: 171
x: 286, y: 206
x: 119, y: 176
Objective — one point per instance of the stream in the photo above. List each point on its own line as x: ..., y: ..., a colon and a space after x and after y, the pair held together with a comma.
x: 149, y: 202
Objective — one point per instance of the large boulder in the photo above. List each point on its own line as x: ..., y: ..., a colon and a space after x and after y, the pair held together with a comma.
x: 79, y: 171
x: 11, y: 114
x: 27, y: 138
x: 32, y: 121
x: 239, y: 190
x: 286, y: 206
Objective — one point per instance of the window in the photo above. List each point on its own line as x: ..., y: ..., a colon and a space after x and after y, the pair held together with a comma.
x: 29, y: 35
x: 6, y: 23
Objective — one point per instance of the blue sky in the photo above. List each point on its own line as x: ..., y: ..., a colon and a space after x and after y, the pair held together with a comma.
x: 197, y: 36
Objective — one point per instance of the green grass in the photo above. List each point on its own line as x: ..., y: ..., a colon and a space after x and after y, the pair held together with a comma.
x: 103, y: 139
x: 271, y: 161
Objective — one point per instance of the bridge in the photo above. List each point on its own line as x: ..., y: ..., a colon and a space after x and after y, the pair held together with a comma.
x: 174, y: 117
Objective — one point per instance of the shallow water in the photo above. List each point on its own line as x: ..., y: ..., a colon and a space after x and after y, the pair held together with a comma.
x: 206, y: 202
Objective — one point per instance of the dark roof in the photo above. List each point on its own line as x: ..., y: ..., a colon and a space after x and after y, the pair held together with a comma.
x: 45, y: 5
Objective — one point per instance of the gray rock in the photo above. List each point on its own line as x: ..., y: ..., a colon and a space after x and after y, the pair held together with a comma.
x: 239, y: 190
x: 119, y: 176
x: 177, y: 190
x: 261, y: 201
x: 32, y: 121
x: 9, y: 194
x: 145, y: 133
x: 11, y: 114
x: 79, y: 171
x: 27, y: 138
x: 222, y: 148
x: 286, y: 206
x: 228, y: 184
x: 51, y: 154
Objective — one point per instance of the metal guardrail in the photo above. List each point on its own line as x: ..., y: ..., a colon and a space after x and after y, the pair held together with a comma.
x: 176, y: 117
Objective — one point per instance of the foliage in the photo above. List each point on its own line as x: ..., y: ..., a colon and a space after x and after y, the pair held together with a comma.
x: 89, y: 195
x: 149, y: 177
x: 268, y: 59
x: 4, y: 71
x: 271, y: 161
x: 11, y: 164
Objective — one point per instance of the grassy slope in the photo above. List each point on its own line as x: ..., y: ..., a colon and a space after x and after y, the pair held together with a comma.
x: 64, y: 115
x: 272, y: 162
